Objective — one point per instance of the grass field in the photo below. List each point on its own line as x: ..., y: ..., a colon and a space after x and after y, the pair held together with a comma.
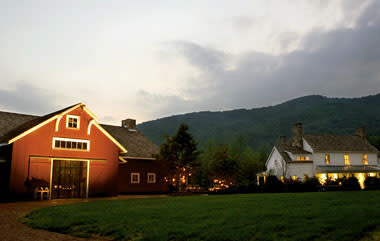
x: 287, y: 216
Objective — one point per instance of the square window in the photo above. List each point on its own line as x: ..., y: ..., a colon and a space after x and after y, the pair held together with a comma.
x: 72, y: 122
x: 151, y: 177
x: 84, y: 146
x: 135, y: 177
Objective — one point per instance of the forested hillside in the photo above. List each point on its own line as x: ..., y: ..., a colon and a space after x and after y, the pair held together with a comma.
x: 261, y: 127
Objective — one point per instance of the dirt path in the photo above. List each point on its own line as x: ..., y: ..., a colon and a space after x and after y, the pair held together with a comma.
x: 11, y: 229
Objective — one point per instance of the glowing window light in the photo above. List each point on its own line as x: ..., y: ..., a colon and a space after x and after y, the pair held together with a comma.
x: 365, y: 159
x: 327, y: 159
x: 346, y: 159
x: 361, y: 179
x: 323, y: 178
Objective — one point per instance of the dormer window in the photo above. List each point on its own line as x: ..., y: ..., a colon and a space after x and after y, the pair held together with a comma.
x: 72, y: 122
x: 303, y: 158
x: 365, y: 159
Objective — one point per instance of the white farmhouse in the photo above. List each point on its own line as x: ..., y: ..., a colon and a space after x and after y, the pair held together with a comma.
x: 324, y: 156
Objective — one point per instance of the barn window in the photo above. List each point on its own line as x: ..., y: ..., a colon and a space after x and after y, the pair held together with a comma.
x: 70, y: 144
x: 135, y: 177
x: 72, y: 122
x: 151, y: 177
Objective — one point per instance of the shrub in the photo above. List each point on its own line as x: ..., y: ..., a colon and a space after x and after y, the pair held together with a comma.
x: 311, y: 184
x: 350, y: 183
x: 272, y: 184
x: 293, y: 185
x: 372, y: 183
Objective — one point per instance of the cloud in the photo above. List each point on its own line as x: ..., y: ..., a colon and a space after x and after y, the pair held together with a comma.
x: 27, y: 98
x: 342, y: 62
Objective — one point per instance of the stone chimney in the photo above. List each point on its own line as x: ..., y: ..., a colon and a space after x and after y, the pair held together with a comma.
x: 130, y: 124
x: 283, y: 140
x: 361, y: 132
x: 297, y: 136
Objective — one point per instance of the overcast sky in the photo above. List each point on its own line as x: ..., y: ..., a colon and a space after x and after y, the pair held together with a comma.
x: 150, y: 59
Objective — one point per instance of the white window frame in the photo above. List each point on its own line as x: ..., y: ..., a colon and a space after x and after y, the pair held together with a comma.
x: 154, y: 177
x: 73, y: 117
x: 138, y: 177
x: 73, y: 140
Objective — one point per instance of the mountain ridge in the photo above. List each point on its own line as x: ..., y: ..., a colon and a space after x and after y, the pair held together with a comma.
x: 261, y: 126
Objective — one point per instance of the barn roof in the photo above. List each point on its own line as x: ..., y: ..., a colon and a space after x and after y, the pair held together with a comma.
x: 135, y: 142
x: 138, y: 146
x: 338, y: 143
x: 14, y: 124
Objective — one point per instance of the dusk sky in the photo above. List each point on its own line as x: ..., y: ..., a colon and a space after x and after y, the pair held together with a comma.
x: 151, y: 59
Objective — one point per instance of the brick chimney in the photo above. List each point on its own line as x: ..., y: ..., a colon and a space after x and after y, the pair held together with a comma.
x: 283, y: 140
x: 297, y: 135
x: 130, y: 124
x: 361, y: 132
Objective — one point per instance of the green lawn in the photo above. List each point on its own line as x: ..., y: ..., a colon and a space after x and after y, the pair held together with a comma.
x: 289, y: 216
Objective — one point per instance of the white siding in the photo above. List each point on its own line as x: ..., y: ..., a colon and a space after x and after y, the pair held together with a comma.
x: 300, y: 170
x: 274, y: 163
x: 337, y: 158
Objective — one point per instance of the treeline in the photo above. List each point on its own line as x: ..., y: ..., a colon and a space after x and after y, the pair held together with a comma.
x: 229, y: 166
x: 216, y: 166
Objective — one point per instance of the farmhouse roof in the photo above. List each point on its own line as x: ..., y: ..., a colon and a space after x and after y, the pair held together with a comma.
x: 13, y: 124
x: 338, y: 143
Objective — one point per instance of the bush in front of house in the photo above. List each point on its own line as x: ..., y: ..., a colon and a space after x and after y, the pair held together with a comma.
x: 372, y: 183
x: 272, y: 184
x: 293, y: 185
x: 351, y: 183
x: 311, y: 184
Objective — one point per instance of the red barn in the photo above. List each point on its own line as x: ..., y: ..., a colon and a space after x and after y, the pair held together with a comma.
x: 72, y: 155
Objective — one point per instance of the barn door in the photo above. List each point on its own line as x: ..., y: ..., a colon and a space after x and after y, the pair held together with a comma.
x: 69, y: 179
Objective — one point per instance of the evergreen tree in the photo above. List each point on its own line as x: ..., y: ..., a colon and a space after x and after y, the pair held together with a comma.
x: 181, y: 155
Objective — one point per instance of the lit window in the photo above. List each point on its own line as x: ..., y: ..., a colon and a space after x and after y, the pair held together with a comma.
x: 72, y: 122
x: 307, y: 158
x: 300, y: 158
x: 346, y: 160
x: 327, y: 159
x: 70, y: 144
x: 151, y: 177
x: 135, y: 177
x: 294, y: 178
x: 365, y: 159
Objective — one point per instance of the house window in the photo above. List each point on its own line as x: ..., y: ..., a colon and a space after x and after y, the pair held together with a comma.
x: 365, y: 159
x: 346, y: 159
x: 135, y: 177
x: 327, y: 159
x: 303, y: 158
x: 72, y: 122
x: 151, y: 177
x: 71, y: 144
